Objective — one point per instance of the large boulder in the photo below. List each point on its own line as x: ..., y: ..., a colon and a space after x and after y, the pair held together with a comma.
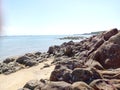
x: 85, y: 74
x: 109, y: 53
x: 27, y: 61
x: 61, y: 73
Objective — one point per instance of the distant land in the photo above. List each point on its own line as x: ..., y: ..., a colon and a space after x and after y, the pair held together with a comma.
x: 91, y: 33
x: 78, y: 37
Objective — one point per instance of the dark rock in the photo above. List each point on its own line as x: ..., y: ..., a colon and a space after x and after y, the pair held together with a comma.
x: 31, y: 63
x: 8, y: 60
x: 68, y: 51
x: 51, y: 50
x: 80, y: 74
x: 33, y: 84
x: 22, y: 59
x: 38, y: 53
x: 61, y: 73
x: 85, y: 74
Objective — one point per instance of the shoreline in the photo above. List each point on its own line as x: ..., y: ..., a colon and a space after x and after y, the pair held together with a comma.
x: 91, y: 64
x: 17, y: 79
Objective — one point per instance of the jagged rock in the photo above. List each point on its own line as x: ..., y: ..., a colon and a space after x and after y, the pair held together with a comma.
x: 81, y: 86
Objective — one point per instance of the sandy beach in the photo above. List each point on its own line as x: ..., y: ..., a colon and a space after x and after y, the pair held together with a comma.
x: 18, y: 79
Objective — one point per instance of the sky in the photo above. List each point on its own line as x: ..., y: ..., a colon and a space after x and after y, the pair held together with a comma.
x: 50, y: 17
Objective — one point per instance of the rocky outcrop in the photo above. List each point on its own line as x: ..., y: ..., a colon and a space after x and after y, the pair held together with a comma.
x: 14, y: 64
x: 91, y: 64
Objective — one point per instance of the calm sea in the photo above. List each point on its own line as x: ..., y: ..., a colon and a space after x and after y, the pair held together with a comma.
x: 19, y: 45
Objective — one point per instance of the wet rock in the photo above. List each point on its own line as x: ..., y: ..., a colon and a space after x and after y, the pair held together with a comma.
x: 81, y: 86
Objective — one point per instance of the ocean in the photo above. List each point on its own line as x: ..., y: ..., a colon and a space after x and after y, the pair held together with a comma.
x: 19, y: 45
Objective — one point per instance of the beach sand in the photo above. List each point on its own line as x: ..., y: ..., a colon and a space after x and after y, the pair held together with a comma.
x: 18, y: 79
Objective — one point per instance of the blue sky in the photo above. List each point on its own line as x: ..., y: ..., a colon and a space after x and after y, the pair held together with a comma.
x: 43, y: 17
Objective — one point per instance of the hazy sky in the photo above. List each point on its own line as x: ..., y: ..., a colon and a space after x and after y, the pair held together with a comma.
x: 36, y: 17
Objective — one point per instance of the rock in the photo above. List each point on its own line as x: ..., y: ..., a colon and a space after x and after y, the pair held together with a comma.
x: 51, y: 50
x: 80, y: 86
x: 61, y: 73
x: 110, y: 33
x: 10, y: 67
x: 102, y: 84
x: 8, y: 60
x: 94, y: 64
x: 68, y: 51
x: 24, y: 89
x: 22, y: 59
x: 31, y: 63
x: 27, y: 61
x: 85, y: 74
x: 57, y: 86
x: 46, y: 65
x: 32, y: 84
x: 38, y: 53
x: 80, y: 74
x: 108, y: 55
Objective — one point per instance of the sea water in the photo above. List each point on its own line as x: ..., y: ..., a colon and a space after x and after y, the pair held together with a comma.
x: 19, y: 45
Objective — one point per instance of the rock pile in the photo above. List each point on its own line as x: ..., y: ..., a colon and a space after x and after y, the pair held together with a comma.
x: 14, y: 64
x: 91, y: 64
